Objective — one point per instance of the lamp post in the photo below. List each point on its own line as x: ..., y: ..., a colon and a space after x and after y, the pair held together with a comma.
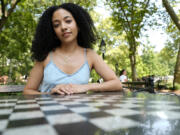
x: 103, y: 48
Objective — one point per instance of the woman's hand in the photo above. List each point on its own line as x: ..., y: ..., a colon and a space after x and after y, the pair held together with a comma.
x: 77, y: 88
x: 63, y: 89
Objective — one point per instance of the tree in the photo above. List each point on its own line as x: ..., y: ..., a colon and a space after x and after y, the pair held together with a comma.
x: 171, y: 13
x: 167, y: 57
x: 16, y: 40
x: 7, y: 7
x: 154, y: 62
x: 129, y: 16
x: 176, y: 21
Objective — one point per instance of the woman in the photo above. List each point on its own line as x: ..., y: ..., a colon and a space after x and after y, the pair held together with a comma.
x: 123, y: 77
x: 61, y: 49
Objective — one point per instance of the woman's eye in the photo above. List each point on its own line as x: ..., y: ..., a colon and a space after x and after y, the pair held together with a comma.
x: 68, y: 21
x: 56, y: 25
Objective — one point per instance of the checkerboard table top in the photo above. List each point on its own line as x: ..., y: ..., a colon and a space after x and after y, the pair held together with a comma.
x: 109, y: 113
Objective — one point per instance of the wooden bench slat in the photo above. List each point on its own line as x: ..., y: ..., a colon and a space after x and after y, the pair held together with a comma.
x: 11, y: 88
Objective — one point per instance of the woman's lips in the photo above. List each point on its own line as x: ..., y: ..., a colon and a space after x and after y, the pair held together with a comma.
x: 67, y: 34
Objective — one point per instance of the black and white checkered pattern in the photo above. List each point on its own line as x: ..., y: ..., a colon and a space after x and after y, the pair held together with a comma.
x: 95, y: 114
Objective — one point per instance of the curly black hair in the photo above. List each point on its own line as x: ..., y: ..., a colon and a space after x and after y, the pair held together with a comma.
x: 122, y: 71
x: 45, y: 39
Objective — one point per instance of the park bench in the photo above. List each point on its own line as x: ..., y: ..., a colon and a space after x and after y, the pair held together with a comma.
x: 146, y: 85
x: 11, y: 89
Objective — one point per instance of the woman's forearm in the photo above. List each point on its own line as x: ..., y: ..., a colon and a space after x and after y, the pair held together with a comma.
x: 112, y: 85
x: 32, y: 92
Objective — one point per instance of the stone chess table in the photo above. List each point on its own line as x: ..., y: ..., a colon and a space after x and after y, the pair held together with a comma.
x: 107, y: 113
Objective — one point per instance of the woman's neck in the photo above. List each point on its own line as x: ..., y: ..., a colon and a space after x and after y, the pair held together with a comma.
x: 68, y: 48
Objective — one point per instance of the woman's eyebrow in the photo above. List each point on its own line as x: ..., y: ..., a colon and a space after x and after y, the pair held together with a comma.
x: 67, y: 17
x: 56, y: 20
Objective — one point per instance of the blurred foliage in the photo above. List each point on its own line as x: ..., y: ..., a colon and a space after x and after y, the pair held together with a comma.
x: 177, y: 87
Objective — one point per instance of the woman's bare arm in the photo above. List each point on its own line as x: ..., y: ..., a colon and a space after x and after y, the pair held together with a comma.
x: 111, y: 81
x: 34, y: 79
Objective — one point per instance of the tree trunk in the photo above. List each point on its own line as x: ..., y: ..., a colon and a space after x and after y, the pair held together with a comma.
x: 2, y: 22
x: 171, y: 12
x: 175, y: 19
x: 177, y: 70
x: 133, y: 66
x: 132, y: 56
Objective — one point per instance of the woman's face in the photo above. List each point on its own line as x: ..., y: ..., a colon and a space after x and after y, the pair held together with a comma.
x: 65, y: 26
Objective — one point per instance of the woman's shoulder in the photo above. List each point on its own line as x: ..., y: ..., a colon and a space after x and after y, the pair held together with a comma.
x: 46, y: 60
x: 92, y: 56
x: 91, y: 52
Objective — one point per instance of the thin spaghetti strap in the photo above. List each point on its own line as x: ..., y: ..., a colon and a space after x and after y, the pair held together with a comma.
x: 85, y: 53
x: 51, y: 56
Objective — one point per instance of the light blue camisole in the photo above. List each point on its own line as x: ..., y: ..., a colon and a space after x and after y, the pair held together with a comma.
x: 54, y: 76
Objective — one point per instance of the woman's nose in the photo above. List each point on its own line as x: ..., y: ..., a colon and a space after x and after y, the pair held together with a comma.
x: 63, y: 26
